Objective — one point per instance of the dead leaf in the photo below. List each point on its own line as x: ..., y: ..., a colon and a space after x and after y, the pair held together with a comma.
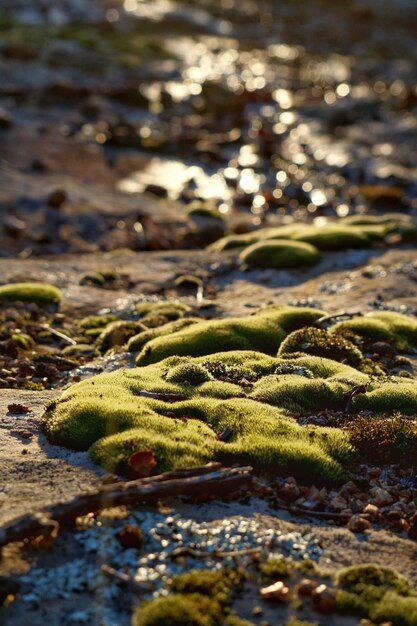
x: 142, y: 463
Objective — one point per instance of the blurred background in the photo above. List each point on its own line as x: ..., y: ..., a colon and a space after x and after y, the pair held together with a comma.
x: 163, y: 124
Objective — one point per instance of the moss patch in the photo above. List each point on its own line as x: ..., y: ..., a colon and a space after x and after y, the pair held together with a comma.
x: 117, y: 334
x: 40, y: 293
x: 193, y: 396
x: 263, y: 332
x: 319, y: 342
x: 137, y: 342
x: 394, y: 328
x: 366, y: 590
x: 280, y: 254
x: 351, y: 232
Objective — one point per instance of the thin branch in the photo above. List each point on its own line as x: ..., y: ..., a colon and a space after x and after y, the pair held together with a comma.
x: 328, y: 319
x: 126, y: 580
x: 200, y: 481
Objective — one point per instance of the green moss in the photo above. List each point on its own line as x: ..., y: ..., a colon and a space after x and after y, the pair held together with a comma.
x: 81, y: 349
x: 395, y: 609
x: 275, y: 568
x: 280, y: 254
x: 235, y: 620
x: 179, y: 610
x: 263, y: 332
x: 339, y: 237
x: 157, y: 314
x: 96, y: 321
x: 189, y: 374
x: 23, y: 340
x: 204, y: 211
x: 358, y: 578
x: 107, y: 412
x: 319, y: 342
x: 190, y: 400
x: 117, y: 334
x: 215, y: 584
x: 365, y: 588
x: 395, y: 328
x: 137, y: 342
x: 39, y: 293
x: 232, y: 242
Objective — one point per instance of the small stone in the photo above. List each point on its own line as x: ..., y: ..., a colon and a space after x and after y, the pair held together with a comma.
x: 288, y: 492
x: 412, y: 531
x: 338, y: 504
x: 381, y: 497
x: 371, y: 511
x: 257, y: 610
x: 130, y: 536
x: 57, y: 198
x: 358, y: 524
x: 277, y: 592
x: 25, y: 434
x: 324, y: 600
x: 306, y: 587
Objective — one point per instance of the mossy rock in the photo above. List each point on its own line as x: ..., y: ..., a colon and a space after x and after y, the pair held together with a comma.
x: 319, y: 342
x: 39, y: 293
x: 263, y: 332
x: 280, y: 254
x: 117, y: 334
x: 394, y: 328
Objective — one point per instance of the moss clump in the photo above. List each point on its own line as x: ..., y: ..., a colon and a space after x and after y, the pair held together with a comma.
x: 81, y: 349
x: 190, y: 400
x: 117, y: 334
x: 137, y: 342
x: 107, y: 415
x: 394, y: 328
x: 383, y: 440
x: 205, y: 211
x: 364, y: 589
x: 280, y: 254
x: 333, y: 237
x: 157, y: 314
x: 232, y: 242
x: 199, y: 598
x: 275, y: 568
x: 96, y: 321
x: 263, y: 332
x: 357, y: 578
x: 39, y: 293
x: 215, y: 584
x: 179, y: 610
x: 189, y: 374
x: 23, y: 340
x: 396, y: 610
x: 319, y: 342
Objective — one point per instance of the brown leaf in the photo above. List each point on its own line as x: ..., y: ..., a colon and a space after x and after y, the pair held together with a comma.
x: 142, y: 463
x: 17, y: 408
